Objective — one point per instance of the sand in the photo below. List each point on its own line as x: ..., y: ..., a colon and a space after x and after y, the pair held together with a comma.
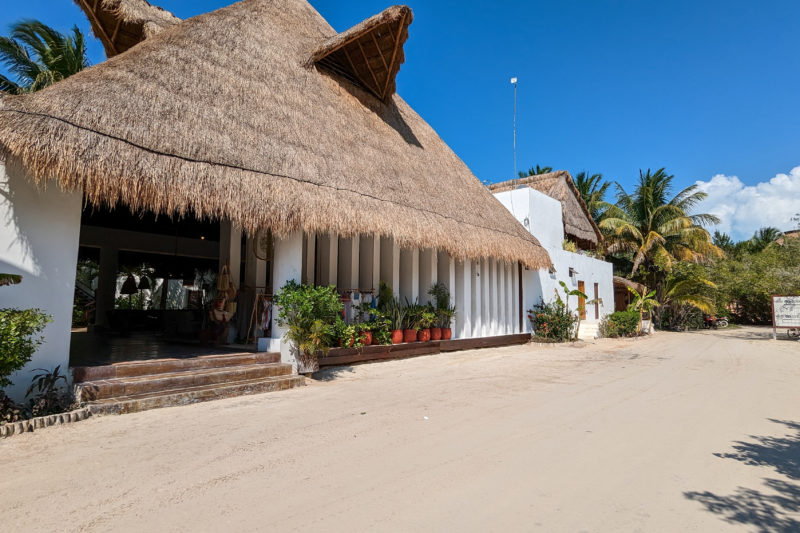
x: 678, y: 432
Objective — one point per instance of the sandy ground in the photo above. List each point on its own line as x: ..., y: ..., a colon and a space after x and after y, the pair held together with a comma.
x: 679, y: 432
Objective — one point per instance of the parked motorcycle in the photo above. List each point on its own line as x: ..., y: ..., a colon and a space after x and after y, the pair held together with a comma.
x: 713, y: 322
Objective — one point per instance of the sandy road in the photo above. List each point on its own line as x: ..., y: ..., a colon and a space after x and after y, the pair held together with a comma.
x: 680, y: 432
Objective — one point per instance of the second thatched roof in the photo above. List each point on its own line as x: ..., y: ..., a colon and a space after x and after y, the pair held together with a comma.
x: 224, y: 115
x: 578, y: 221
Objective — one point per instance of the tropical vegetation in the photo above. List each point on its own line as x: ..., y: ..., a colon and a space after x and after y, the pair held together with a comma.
x: 39, y: 56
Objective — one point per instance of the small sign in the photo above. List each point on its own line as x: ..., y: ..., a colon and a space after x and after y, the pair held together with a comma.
x: 785, y: 312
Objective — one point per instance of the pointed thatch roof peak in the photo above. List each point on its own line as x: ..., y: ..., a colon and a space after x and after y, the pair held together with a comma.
x: 122, y: 24
x: 221, y: 115
x: 578, y: 221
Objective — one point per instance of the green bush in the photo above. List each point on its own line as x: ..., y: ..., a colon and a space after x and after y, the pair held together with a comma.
x: 552, y: 321
x: 620, y: 324
x: 19, y: 339
x: 310, y: 314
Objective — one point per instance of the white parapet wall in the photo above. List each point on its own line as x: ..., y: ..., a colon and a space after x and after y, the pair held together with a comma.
x: 39, y: 241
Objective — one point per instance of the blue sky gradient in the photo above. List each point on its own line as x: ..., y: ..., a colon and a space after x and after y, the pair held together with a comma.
x: 610, y: 86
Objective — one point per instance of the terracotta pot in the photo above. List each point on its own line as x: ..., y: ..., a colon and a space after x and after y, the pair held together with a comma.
x: 436, y: 334
x: 397, y: 336
x: 366, y: 338
x: 409, y: 335
x: 424, y: 335
x: 447, y: 334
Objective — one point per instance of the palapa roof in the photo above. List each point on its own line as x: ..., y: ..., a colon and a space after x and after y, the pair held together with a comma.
x: 578, y: 222
x: 121, y: 24
x: 226, y: 115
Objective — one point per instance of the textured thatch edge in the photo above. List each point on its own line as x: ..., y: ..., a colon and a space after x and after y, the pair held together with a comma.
x: 510, y: 185
x: 66, y: 165
x: 28, y: 426
x: 387, y: 16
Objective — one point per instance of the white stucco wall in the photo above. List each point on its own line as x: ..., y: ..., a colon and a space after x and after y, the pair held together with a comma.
x: 542, y: 216
x: 39, y: 232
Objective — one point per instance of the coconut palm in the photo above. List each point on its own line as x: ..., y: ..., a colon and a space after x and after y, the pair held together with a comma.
x: 535, y: 171
x: 39, y: 56
x: 643, y: 302
x: 651, y: 230
x: 593, y: 190
x: 763, y: 238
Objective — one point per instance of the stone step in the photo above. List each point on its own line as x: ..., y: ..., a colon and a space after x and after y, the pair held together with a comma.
x: 167, y: 381
x: 83, y: 374
x: 189, y: 395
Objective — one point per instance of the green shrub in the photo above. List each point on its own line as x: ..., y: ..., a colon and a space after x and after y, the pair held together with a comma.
x: 620, y: 324
x: 309, y: 314
x: 19, y: 339
x: 552, y: 321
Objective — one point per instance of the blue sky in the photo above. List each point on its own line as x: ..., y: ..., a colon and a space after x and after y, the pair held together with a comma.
x: 707, y: 89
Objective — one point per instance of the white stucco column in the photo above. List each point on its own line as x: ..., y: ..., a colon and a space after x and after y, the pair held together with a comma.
x: 409, y: 274
x: 288, y: 265
x: 502, y: 298
x: 510, y: 313
x: 515, y: 296
x: 348, y: 262
x: 370, y: 262
x: 390, y: 264
x: 447, y: 273
x: 428, y: 273
x: 39, y: 232
x: 333, y: 260
x: 230, y: 249
x: 462, y: 292
x: 486, y: 298
x: 477, y: 298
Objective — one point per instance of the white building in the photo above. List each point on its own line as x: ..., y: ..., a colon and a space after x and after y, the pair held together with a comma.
x: 550, y: 207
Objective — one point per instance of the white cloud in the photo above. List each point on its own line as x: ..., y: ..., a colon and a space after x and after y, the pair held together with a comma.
x: 743, y: 209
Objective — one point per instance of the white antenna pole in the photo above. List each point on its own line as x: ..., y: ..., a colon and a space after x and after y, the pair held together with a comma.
x: 514, y: 83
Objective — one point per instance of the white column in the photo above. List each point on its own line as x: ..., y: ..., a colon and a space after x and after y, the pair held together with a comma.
x: 500, y: 266
x: 515, y: 297
x: 230, y: 249
x: 462, y: 292
x: 477, y: 298
x: 288, y: 265
x: 486, y: 298
x: 370, y: 262
x: 348, y: 262
x: 333, y: 260
x: 390, y: 264
x: 427, y: 273
x: 409, y: 274
x: 447, y: 273
x: 511, y: 312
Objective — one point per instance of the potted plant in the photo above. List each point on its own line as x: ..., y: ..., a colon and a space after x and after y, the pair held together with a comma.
x: 445, y: 319
x: 443, y: 311
x: 425, y: 318
x: 397, y: 319
x: 310, y: 315
x: 409, y: 322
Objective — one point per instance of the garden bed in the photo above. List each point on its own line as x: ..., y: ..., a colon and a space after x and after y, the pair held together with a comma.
x: 26, y: 426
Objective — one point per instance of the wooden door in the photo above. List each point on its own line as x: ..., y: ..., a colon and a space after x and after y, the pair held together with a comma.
x: 596, y: 301
x: 582, y: 300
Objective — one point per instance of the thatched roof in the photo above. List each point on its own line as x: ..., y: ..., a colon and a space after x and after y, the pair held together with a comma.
x: 578, y: 222
x: 121, y: 24
x: 221, y: 115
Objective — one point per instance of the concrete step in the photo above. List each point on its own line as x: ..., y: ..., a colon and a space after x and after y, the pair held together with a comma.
x: 83, y: 374
x: 164, y: 382
x: 189, y: 395
x: 589, y: 331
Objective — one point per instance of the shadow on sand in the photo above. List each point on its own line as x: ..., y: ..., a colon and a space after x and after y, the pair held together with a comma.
x: 776, y: 510
x: 332, y: 373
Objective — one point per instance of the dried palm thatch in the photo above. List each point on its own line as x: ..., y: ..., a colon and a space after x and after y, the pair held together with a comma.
x: 221, y: 116
x: 121, y: 24
x: 578, y: 222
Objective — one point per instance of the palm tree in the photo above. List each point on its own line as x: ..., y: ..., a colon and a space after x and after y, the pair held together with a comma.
x: 651, y: 230
x: 593, y: 191
x: 535, y: 171
x: 763, y: 238
x: 39, y: 56
x: 687, y: 288
x: 643, y: 302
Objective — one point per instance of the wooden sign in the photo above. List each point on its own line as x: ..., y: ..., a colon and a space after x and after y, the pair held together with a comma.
x: 785, y: 313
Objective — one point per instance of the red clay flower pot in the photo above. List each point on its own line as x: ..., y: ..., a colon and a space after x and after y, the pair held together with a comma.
x: 366, y: 338
x: 409, y: 335
x: 397, y: 336
x: 447, y: 334
x: 424, y: 335
x: 436, y: 334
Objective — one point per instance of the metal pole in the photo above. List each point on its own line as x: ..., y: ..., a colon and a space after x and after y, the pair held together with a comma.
x: 514, y: 81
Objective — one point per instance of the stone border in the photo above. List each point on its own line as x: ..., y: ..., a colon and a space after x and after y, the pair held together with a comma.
x: 27, y: 426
